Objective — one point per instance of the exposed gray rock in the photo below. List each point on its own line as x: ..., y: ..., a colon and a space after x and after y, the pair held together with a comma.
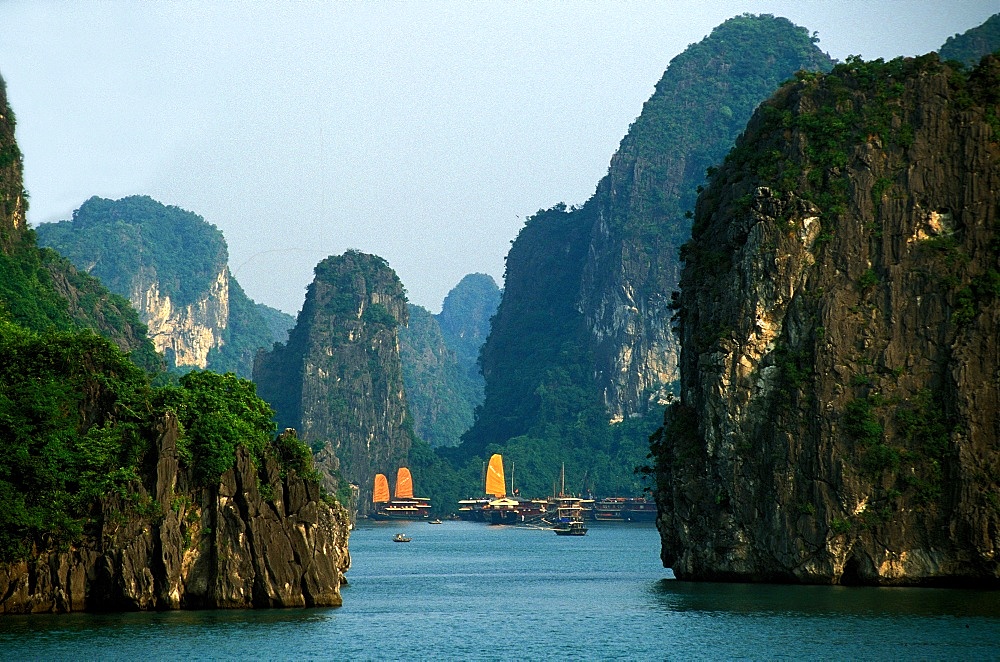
x: 225, y: 547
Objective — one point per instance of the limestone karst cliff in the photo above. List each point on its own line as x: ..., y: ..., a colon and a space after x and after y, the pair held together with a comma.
x: 13, y: 201
x: 172, y: 265
x: 169, y: 545
x: 106, y: 503
x: 839, y: 409
x: 338, y: 380
x: 586, y: 304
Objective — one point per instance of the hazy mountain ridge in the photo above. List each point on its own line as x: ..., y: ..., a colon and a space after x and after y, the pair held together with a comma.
x: 440, y: 360
x: 973, y: 44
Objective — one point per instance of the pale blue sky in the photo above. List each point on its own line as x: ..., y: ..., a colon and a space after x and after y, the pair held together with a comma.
x: 424, y: 132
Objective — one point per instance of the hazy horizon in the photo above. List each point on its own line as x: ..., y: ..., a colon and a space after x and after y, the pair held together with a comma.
x: 423, y: 132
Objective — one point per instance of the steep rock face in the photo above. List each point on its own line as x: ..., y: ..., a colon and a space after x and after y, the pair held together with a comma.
x: 839, y: 417
x: 701, y: 104
x: 185, y: 334
x: 225, y: 547
x: 338, y: 380
x: 610, y: 266
x: 12, y: 199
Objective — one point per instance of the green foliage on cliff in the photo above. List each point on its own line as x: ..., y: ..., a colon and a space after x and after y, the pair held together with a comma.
x: 218, y: 413
x: 116, y: 240
x: 41, y: 290
x: 857, y: 102
x: 701, y: 105
x: 136, y: 241
x: 338, y: 379
x: 77, y: 424
x: 970, y: 46
x: 74, y: 419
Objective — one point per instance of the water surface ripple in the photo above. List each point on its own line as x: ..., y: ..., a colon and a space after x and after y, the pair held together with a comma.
x: 464, y: 591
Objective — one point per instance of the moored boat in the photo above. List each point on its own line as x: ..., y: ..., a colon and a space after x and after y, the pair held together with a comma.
x: 571, y: 529
x: 640, y: 509
x: 610, y: 509
x: 403, y: 505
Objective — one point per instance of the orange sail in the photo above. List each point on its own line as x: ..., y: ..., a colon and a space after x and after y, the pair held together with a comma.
x: 404, y: 484
x: 381, y: 493
x: 495, y: 482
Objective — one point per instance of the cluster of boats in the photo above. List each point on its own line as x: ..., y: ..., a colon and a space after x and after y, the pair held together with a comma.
x: 557, y: 508
x: 563, y: 513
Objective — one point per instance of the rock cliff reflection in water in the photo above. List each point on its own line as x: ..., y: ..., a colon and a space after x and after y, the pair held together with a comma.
x: 471, y: 591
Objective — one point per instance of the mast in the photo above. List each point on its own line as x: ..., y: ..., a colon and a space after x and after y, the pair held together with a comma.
x: 562, y: 490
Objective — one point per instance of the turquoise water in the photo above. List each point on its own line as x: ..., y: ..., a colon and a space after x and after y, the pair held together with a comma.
x: 471, y: 591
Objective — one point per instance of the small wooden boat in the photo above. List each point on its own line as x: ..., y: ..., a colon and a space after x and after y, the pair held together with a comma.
x: 399, y: 537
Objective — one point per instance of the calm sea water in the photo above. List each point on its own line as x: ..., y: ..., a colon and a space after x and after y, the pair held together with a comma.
x: 471, y: 591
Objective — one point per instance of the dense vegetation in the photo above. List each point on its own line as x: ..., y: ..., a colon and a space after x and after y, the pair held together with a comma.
x: 78, y: 421
x: 701, y: 105
x: 970, y: 46
x: 137, y: 241
x: 120, y: 240
x: 41, y: 290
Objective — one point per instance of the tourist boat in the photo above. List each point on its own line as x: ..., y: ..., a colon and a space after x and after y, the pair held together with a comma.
x: 471, y: 510
x: 571, y: 529
x: 403, y: 505
x: 506, y: 509
x: 610, y: 509
x: 640, y: 509
x: 399, y: 537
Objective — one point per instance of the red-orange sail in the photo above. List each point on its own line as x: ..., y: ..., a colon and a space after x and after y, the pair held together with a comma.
x: 495, y: 481
x: 381, y: 493
x: 404, y: 484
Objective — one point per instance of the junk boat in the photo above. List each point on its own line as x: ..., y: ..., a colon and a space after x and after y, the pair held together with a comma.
x: 403, y: 505
x: 507, y: 509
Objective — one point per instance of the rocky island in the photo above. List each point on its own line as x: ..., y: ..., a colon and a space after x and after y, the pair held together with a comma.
x: 838, y: 314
